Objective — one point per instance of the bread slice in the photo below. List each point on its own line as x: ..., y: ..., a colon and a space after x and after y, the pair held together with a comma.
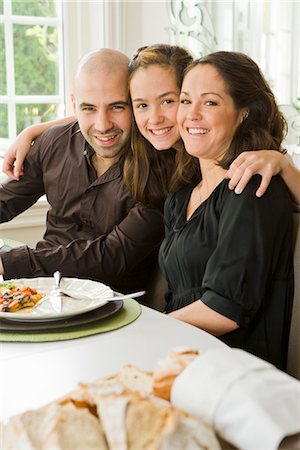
x: 148, y: 423
x: 169, y: 368
x: 78, y: 430
x: 128, y: 378
x: 190, y: 433
x: 133, y: 422
x: 55, y: 427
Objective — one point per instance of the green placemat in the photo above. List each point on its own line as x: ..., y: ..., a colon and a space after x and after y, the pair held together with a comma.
x: 131, y: 311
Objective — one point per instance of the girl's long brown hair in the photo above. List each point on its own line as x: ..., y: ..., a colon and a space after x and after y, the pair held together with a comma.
x: 149, y: 173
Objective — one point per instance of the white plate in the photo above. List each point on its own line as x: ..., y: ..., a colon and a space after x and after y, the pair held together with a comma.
x: 96, y: 293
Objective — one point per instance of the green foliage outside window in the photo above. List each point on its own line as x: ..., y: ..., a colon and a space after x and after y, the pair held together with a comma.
x: 35, y: 50
x: 296, y: 104
x: 27, y: 114
x: 3, y: 121
x: 41, y: 8
x: 35, y: 61
x: 2, y: 62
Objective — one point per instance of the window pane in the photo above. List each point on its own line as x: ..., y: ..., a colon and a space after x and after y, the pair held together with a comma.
x: 42, y: 8
x: 34, y: 113
x: 35, y: 55
x: 2, y: 63
x: 1, y: 6
x: 3, y: 121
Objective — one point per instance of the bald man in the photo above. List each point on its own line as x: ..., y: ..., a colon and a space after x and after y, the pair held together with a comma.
x: 94, y: 227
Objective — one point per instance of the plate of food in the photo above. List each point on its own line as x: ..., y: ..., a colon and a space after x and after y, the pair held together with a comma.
x: 28, y: 299
x: 95, y: 315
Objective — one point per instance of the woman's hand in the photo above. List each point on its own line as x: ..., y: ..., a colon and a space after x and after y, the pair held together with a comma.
x: 266, y: 163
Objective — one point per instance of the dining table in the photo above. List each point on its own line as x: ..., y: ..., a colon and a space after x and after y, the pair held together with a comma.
x: 39, y: 366
x: 35, y: 373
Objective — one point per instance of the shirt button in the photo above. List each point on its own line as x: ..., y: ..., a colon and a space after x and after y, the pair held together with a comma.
x: 85, y: 152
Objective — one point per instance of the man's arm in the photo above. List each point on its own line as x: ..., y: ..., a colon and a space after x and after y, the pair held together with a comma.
x: 16, y: 197
x: 121, y: 258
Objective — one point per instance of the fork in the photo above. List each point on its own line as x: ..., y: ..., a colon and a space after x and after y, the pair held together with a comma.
x: 56, y: 293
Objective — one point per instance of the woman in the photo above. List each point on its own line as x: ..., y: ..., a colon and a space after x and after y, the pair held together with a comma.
x: 228, y: 258
x: 150, y: 68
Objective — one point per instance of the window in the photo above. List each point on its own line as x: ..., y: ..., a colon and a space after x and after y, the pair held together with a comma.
x: 31, y: 65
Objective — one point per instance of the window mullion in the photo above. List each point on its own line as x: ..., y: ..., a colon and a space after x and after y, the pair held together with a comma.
x: 32, y: 20
x: 10, y: 71
x: 60, y: 60
x: 37, y: 99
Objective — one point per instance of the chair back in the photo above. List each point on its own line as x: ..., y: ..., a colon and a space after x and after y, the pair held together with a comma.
x: 293, y: 362
x: 156, y: 289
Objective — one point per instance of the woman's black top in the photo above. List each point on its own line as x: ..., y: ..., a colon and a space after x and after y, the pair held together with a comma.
x: 235, y: 254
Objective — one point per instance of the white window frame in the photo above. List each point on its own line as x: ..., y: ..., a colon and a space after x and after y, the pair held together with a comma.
x: 88, y: 26
x: 83, y: 26
x: 11, y: 99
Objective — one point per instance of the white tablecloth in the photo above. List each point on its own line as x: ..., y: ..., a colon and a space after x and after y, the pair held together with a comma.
x: 33, y: 374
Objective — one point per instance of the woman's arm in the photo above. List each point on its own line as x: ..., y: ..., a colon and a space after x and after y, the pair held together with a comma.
x: 236, y: 281
x: 266, y: 163
x: 201, y: 316
x: 13, y: 159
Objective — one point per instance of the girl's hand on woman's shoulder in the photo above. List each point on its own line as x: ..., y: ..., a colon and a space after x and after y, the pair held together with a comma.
x: 266, y: 163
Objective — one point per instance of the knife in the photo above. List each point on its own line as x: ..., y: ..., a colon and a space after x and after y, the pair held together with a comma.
x: 124, y: 296
x: 56, y: 294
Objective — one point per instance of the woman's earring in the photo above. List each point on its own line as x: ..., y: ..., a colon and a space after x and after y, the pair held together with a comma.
x: 245, y: 115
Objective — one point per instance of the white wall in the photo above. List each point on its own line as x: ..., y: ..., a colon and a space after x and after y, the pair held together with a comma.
x: 268, y: 31
x: 145, y: 23
x: 28, y: 227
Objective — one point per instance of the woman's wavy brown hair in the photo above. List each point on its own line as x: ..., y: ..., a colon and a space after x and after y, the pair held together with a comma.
x: 265, y: 126
x: 148, y: 173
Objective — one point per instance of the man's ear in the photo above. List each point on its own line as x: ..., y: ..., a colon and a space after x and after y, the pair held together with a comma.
x: 73, y: 103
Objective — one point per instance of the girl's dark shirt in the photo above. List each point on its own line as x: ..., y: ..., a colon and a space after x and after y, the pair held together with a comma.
x: 235, y: 254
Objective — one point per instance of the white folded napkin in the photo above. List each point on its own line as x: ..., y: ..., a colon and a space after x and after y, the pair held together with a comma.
x: 249, y: 402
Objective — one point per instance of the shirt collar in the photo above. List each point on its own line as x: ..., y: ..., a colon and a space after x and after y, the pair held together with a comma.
x: 112, y: 173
